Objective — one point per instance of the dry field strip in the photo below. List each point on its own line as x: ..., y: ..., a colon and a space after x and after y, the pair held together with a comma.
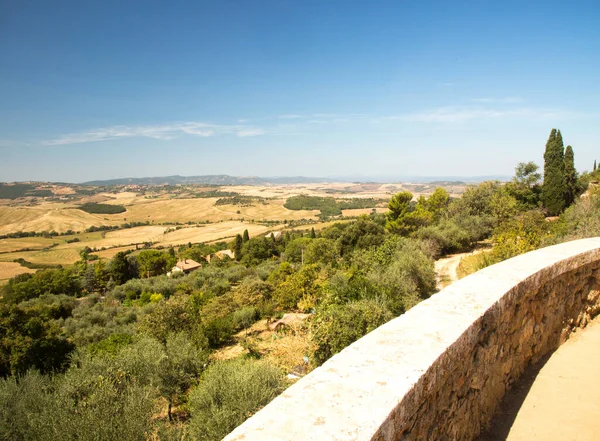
x: 9, y: 270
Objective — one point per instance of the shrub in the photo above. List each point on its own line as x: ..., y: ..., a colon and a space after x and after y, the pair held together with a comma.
x: 337, y: 326
x: 228, y: 393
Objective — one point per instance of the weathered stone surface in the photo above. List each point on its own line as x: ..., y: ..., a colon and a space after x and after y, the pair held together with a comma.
x: 439, y: 371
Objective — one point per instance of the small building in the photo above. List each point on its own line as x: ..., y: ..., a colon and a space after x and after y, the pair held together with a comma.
x: 276, y: 235
x: 220, y: 255
x: 186, y: 266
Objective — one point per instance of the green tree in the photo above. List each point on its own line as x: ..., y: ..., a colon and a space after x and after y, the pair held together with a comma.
x: 476, y: 200
x: 519, y: 235
x: 437, y: 203
x: 524, y: 186
x: 154, y: 263
x: 178, y: 368
x: 119, y: 269
x: 313, y: 235
x: 336, y: 326
x: 503, y: 205
x: 399, y: 206
x: 594, y: 165
x: 364, y: 233
x: 258, y: 249
x: 31, y: 339
x: 295, y: 249
x: 554, y: 186
x: 323, y: 251
x: 49, y: 281
x: 246, y: 236
x: 302, y: 287
x: 101, y: 275
x: 237, y: 247
x: 570, y: 176
x: 228, y: 393
x: 175, y: 314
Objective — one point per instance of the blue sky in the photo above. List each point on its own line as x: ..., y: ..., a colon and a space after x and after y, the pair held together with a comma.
x: 107, y: 89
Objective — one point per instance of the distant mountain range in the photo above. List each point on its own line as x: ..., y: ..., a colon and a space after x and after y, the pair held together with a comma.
x: 255, y: 180
x: 208, y: 180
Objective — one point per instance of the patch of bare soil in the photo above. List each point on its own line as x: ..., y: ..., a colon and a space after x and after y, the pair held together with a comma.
x: 284, y: 346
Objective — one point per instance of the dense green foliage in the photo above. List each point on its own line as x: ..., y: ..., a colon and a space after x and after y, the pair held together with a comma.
x: 14, y: 191
x: 340, y: 325
x: 32, y: 338
x: 228, y: 393
x: 405, y: 218
x: 95, y: 208
x: 49, y: 281
x: 525, y: 186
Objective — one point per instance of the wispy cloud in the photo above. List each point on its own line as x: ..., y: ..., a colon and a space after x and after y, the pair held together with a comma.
x: 503, y: 100
x: 465, y: 113
x: 486, y: 109
x: 244, y: 133
x: 161, y: 131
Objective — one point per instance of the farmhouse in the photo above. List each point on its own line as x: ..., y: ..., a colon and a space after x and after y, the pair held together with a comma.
x: 221, y: 255
x: 186, y: 266
x: 276, y: 235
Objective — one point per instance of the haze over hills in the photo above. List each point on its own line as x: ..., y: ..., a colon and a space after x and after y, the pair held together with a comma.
x: 255, y: 180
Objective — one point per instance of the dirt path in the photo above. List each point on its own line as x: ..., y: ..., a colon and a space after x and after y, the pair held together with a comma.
x: 561, y: 401
x: 445, y: 268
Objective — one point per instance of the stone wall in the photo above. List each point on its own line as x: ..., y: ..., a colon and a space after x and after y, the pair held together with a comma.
x: 439, y: 371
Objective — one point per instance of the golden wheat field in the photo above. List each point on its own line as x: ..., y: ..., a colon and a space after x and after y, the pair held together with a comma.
x: 62, y: 217
x: 52, y: 256
x: 32, y: 243
x: 47, y: 217
x: 213, y: 232
x: 9, y: 270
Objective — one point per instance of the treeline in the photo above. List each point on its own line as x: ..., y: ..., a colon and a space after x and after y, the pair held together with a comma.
x: 329, y: 206
x: 15, y: 191
x: 239, y: 200
x: 216, y: 194
x: 95, y: 208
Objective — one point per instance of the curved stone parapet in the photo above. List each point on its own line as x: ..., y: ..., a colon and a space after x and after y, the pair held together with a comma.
x: 439, y: 371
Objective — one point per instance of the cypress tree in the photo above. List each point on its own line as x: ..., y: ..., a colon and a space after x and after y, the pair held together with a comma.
x: 237, y: 247
x: 246, y: 237
x: 594, y: 165
x: 312, y: 233
x: 570, y: 176
x: 554, y: 187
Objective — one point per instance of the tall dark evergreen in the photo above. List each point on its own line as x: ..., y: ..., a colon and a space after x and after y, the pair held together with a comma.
x: 570, y: 176
x: 554, y: 188
x: 237, y: 246
x: 594, y: 165
x: 246, y: 237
